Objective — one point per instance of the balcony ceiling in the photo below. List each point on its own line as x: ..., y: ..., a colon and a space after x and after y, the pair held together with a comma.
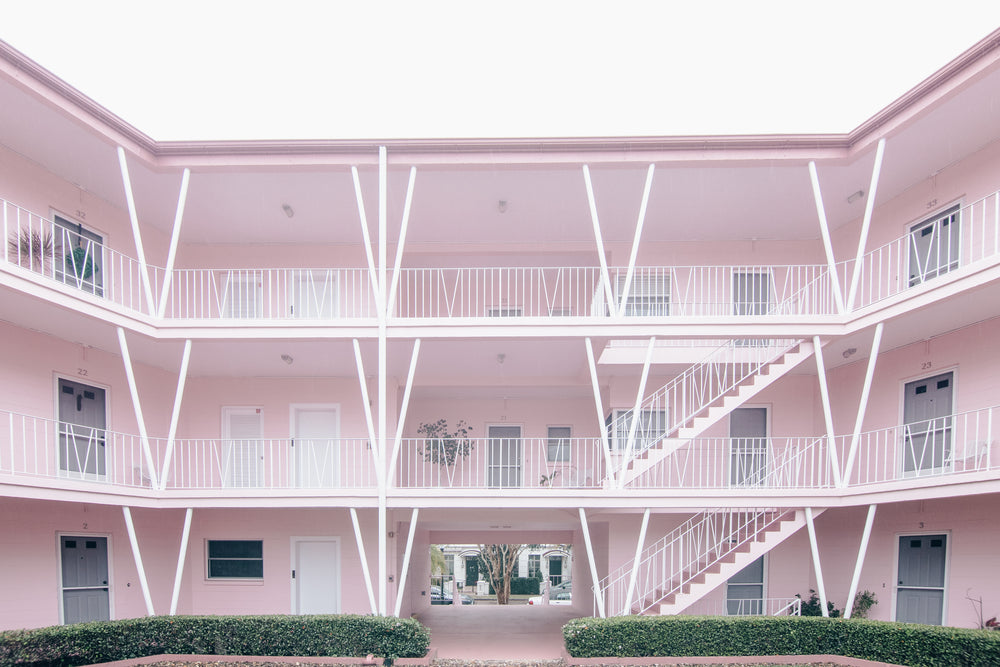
x: 715, y: 193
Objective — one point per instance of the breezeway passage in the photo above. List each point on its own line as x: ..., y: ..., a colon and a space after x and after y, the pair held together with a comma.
x: 488, y: 632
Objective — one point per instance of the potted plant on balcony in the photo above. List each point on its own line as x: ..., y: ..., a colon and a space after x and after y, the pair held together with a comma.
x: 80, y: 263
x: 32, y: 248
x: 442, y: 445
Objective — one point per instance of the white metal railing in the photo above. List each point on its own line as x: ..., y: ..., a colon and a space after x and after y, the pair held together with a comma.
x: 501, y: 463
x: 682, y: 399
x: 282, y: 463
x: 747, y: 607
x: 689, y: 551
x: 966, y: 442
x: 69, y: 257
x: 35, y: 447
x: 267, y: 294
x: 933, y: 248
x: 742, y: 463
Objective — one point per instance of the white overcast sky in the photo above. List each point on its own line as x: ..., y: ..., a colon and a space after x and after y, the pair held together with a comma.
x: 204, y: 69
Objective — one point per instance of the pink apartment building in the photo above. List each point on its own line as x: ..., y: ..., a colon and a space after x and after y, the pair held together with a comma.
x: 725, y: 369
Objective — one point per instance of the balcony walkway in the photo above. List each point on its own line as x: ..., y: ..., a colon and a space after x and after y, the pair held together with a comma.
x: 491, y: 632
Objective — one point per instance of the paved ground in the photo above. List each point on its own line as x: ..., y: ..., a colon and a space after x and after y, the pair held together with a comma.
x: 490, y: 632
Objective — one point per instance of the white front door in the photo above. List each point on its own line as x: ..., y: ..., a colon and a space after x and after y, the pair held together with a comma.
x: 314, y: 439
x: 504, y: 463
x: 315, y: 575
x: 242, y: 462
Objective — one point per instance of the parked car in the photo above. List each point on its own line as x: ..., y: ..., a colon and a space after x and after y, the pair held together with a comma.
x: 444, y: 597
x: 561, y: 594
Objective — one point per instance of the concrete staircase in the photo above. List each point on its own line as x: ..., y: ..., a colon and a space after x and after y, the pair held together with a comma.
x: 737, y: 382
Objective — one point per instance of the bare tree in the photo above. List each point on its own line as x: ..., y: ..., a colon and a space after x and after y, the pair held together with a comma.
x: 500, y: 561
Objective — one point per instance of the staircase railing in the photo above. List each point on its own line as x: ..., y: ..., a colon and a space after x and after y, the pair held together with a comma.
x: 675, y: 561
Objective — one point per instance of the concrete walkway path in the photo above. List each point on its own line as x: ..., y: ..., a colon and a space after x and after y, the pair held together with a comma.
x: 489, y: 632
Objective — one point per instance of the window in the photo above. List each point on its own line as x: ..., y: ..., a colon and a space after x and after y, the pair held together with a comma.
x: 235, y: 559
x: 648, y: 295
x: 934, y: 246
x: 78, y: 256
x: 449, y: 564
x: 745, y: 591
x: 558, y: 444
x: 650, y: 430
x: 505, y: 311
x: 534, y: 565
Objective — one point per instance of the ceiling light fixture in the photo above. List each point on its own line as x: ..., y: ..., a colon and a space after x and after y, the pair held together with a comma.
x: 287, y: 358
x: 289, y: 211
x: 502, y: 205
x: 856, y: 196
x: 850, y: 352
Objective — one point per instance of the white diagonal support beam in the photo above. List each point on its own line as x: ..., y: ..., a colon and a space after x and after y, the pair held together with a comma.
x: 366, y: 235
x: 862, y: 551
x: 402, y: 412
x: 367, y: 406
x: 814, y: 547
x: 136, y: 234
x: 364, y: 561
x: 634, y: 577
x: 406, y: 563
x: 181, y: 557
x: 865, y: 225
x: 133, y: 540
x: 175, y: 414
x: 401, y: 242
x: 140, y: 421
x: 635, y: 241
x: 598, y: 593
x: 862, y: 405
x: 634, y: 425
x: 824, y: 229
x: 605, y: 443
x: 824, y: 392
x: 599, y: 239
x: 175, y: 236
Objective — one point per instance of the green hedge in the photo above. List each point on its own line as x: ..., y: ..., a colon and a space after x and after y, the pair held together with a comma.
x: 899, y: 643
x: 86, y: 643
x: 522, y: 586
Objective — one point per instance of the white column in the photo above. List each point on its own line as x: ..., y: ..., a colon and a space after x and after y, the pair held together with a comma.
x: 827, y: 245
x: 598, y: 593
x: 827, y: 413
x: 862, y: 551
x: 175, y: 414
x: 635, y: 240
x: 406, y: 564
x: 865, y: 224
x: 140, y: 253
x: 630, y: 447
x: 820, y: 586
x: 599, y: 239
x: 605, y: 444
x: 181, y: 556
x: 174, y: 239
x: 635, y: 563
x: 143, y: 583
x: 364, y: 561
x: 383, y: 552
x: 130, y: 376
x: 862, y: 405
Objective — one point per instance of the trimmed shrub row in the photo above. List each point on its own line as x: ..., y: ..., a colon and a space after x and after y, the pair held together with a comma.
x: 522, y: 586
x: 342, y: 635
x: 899, y: 643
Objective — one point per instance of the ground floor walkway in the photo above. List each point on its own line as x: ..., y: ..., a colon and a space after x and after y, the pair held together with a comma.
x: 490, y: 632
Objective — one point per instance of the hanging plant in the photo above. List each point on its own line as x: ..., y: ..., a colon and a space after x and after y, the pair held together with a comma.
x: 81, y: 263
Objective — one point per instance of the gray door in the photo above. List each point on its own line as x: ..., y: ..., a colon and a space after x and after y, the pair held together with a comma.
x: 748, y: 446
x: 920, y: 588
x: 934, y: 246
x: 504, y: 464
x: 927, y: 421
x: 84, y: 578
x: 751, y: 296
x: 82, y: 424
x: 79, y: 256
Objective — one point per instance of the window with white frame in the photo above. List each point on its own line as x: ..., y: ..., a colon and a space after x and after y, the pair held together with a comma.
x: 745, y: 590
x: 235, y: 559
x: 648, y: 294
x: 557, y: 444
x: 651, y: 428
x: 534, y: 565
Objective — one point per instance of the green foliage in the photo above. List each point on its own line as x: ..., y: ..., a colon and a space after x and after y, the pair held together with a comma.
x: 863, y: 602
x: 80, y: 263
x: 812, y: 607
x: 87, y: 643
x: 444, y: 446
x: 896, y: 643
x: 523, y: 586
